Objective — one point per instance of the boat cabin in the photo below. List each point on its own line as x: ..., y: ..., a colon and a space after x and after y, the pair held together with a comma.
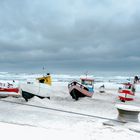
x: 45, y: 79
x: 129, y: 86
x: 88, y: 83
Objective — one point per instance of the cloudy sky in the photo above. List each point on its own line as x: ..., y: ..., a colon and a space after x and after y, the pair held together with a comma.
x: 70, y: 35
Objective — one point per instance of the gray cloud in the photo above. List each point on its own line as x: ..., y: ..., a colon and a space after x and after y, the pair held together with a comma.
x: 69, y: 35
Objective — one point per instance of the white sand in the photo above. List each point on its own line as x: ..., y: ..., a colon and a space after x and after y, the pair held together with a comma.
x: 49, y: 125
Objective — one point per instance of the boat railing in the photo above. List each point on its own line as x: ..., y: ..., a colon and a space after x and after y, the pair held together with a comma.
x: 6, y: 85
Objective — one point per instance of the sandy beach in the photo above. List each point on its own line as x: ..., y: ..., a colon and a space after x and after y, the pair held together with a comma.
x: 36, y: 123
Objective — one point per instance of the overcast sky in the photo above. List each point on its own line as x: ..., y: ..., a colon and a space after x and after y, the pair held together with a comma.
x: 70, y: 35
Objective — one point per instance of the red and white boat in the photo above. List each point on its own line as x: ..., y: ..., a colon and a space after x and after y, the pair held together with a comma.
x: 127, y: 93
x: 8, y: 89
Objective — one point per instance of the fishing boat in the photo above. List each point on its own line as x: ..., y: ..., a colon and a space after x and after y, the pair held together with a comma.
x: 83, y: 89
x: 102, y: 89
x: 126, y: 93
x: 40, y: 88
x: 9, y: 89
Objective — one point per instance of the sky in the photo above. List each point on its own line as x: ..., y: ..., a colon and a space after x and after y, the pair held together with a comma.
x: 70, y: 36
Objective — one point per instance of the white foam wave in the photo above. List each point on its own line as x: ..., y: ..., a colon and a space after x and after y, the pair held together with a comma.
x: 63, y: 77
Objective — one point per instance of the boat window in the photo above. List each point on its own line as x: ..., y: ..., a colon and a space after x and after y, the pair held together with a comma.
x: 86, y: 82
x: 128, y: 86
x: 41, y: 81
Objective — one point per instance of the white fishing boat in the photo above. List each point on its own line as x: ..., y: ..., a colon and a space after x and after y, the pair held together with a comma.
x: 40, y: 88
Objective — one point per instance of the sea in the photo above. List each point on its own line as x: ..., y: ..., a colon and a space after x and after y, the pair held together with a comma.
x: 8, y: 76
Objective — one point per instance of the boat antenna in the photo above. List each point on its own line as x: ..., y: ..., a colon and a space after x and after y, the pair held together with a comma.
x: 43, y: 70
x: 86, y: 73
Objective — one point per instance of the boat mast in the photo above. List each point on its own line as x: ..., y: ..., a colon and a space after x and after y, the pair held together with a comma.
x: 86, y: 73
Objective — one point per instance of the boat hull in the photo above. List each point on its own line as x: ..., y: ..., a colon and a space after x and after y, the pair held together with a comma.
x: 9, y: 91
x: 76, y: 94
x: 28, y: 91
x: 27, y: 95
x: 16, y: 90
x: 126, y: 95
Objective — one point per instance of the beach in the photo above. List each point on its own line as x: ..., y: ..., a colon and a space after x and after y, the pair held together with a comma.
x: 31, y: 122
